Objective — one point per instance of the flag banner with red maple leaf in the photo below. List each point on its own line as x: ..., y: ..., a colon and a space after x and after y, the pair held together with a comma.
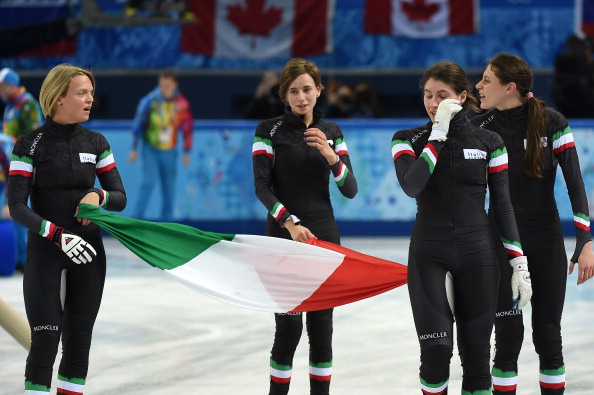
x: 259, y: 29
x: 421, y: 18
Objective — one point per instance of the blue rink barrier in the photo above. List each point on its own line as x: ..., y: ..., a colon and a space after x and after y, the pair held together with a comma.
x: 216, y: 192
x: 7, y: 248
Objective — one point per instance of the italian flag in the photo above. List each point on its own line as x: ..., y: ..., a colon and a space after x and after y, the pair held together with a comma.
x: 254, y: 272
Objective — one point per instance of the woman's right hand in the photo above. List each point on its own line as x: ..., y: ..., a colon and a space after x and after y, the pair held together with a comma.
x: 298, y: 232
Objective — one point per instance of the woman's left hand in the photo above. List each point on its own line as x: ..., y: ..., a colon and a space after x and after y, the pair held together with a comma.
x: 314, y: 137
x: 90, y: 198
x: 585, y: 264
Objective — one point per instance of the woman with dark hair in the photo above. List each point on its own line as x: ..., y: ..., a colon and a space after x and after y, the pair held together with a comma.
x: 538, y: 140
x: 447, y: 165
x: 293, y: 158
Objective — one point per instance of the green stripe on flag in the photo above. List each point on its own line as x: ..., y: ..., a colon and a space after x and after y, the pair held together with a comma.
x: 160, y: 244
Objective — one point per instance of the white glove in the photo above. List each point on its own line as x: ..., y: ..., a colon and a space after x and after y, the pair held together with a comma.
x: 520, y: 282
x: 78, y: 250
x: 445, y: 112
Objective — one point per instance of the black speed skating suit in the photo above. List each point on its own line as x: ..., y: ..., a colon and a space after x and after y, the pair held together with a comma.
x: 538, y: 221
x: 452, y: 237
x: 292, y: 181
x: 56, y: 166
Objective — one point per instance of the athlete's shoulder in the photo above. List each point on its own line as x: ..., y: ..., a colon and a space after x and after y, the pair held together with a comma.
x: 413, y: 134
x: 484, y: 119
x: 556, y: 120
x: 269, y: 127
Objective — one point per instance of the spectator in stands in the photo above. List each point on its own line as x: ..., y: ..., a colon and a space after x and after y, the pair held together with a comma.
x: 573, y: 84
x: 366, y: 102
x: 160, y: 116
x: 340, y: 100
x: 22, y: 114
x: 266, y: 103
x: 159, y: 8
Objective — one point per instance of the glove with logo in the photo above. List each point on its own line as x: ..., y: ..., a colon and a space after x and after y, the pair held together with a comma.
x: 445, y: 112
x: 520, y: 282
x: 78, y: 250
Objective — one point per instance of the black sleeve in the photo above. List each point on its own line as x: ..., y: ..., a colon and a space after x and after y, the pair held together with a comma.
x: 112, y: 193
x: 413, y: 172
x: 343, y: 170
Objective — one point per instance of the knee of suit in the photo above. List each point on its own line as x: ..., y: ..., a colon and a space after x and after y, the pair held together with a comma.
x: 289, y: 324
x: 546, y: 333
x: 44, y: 348
x: 435, y: 363
x: 548, y: 345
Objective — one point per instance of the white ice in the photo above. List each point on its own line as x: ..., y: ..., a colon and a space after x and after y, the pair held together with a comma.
x: 156, y: 336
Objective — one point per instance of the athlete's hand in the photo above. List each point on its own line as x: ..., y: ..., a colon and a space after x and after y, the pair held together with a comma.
x: 298, y: 232
x: 520, y: 282
x: 585, y: 264
x: 445, y: 112
x: 78, y: 250
x: 90, y: 198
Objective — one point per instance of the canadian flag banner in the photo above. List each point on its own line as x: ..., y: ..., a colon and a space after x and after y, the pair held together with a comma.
x: 259, y: 29
x: 421, y: 18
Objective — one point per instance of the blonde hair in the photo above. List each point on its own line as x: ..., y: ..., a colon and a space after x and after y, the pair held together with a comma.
x: 56, y: 83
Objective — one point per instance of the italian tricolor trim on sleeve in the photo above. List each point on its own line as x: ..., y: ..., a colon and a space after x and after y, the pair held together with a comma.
x: 429, y: 155
x: 341, y: 175
x: 277, y: 211
x: 562, y: 140
x: 20, y: 166
x: 341, y: 148
x: 512, y: 247
x: 47, y: 229
x: 498, y: 160
x: 401, y: 147
x: 262, y: 146
x: 581, y: 221
x: 106, y: 162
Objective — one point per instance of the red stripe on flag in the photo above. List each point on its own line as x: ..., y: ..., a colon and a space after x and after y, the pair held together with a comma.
x: 588, y: 28
x: 360, y: 276
x: 66, y: 46
x: 199, y: 37
x: 378, y: 16
x: 462, y: 17
x: 310, y: 27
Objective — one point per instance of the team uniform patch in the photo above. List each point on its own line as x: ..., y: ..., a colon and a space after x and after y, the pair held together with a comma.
x: 474, y: 154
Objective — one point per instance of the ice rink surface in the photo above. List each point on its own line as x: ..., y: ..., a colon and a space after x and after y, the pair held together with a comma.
x: 156, y: 336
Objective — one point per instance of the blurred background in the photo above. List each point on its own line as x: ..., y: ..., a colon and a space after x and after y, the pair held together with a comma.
x: 227, y: 54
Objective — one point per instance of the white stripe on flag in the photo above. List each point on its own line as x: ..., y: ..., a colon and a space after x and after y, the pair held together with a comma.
x: 253, y: 276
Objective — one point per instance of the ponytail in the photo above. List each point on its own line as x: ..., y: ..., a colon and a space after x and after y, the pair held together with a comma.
x: 535, y: 130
